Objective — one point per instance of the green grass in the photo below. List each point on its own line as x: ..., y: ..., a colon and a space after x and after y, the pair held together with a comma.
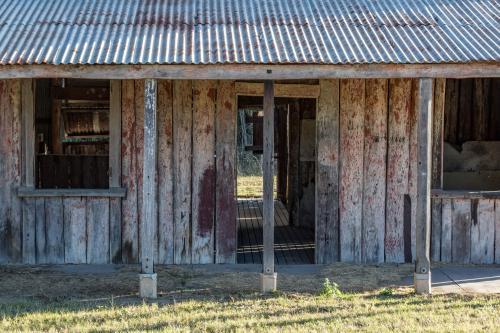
x: 284, y: 312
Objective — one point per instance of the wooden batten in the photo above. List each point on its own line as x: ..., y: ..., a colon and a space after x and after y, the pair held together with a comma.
x: 130, y: 236
x: 293, y: 179
x: 327, y: 173
x: 182, y: 154
x: 374, y: 173
x: 225, y: 151
x: 165, y: 174
x: 203, y: 174
x: 397, y: 167
x: 352, y: 103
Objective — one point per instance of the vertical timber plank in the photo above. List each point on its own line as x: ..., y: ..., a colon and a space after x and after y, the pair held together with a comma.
x: 203, y: 196
x: 460, y: 231
x: 54, y: 223
x: 130, y: 238
x: 28, y: 140
x: 75, y: 231
x: 483, y: 232
x: 282, y: 144
x: 446, y: 230
x: 293, y: 162
x: 438, y: 125
x: 409, y: 229
x: 451, y: 110
x: 438, y: 133
x: 465, y: 111
x: 374, y: 182
x: 397, y: 167
x: 225, y: 148
x: 352, y: 103
x: 29, y: 231
x: 41, y: 231
x: 97, y: 211
x: 327, y: 173
x: 436, y: 229
x: 165, y: 174
x: 139, y: 149
x: 115, y: 171
x: 10, y: 172
x: 182, y: 122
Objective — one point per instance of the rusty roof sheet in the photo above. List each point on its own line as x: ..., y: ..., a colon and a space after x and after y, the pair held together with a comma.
x: 248, y: 31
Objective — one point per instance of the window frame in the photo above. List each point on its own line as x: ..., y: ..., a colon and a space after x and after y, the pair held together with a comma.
x: 28, y: 188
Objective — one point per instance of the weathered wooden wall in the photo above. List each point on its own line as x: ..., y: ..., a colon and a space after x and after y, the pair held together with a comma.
x: 196, y: 154
x: 365, y: 183
x: 10, y: 171
x: 465, y: 230
x: 196, y: 203
x: 366, y: 135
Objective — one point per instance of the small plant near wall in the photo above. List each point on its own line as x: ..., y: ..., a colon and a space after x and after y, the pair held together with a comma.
x: 330, y: 289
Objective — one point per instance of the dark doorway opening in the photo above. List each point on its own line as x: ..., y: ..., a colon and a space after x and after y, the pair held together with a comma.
x: 294, y: 172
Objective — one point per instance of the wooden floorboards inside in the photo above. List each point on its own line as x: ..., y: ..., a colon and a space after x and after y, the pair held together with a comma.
x: 292, y: 245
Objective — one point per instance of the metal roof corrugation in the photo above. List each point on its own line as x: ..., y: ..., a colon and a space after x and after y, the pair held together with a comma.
x: 248, y: 31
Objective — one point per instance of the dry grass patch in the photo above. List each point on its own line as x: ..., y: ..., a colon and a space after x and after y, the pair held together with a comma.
x: 215, y: 298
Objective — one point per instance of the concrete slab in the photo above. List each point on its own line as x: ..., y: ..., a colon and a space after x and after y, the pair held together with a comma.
x: 475, y: 280
x: 463, y: 279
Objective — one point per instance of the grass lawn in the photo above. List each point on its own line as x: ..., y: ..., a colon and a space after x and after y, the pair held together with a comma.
x: 401, y: 311
x: 201, y: 299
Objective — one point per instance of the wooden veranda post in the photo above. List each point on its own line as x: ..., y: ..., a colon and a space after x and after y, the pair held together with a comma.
x: 268, y: 277
x: 148, y: 284
x: 423, y: 214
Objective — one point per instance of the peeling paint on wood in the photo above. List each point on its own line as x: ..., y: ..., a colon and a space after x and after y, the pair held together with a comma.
x: 165, y: 174
x: 327, y: 173
x: 225, y: 201
x: 203, y: 199
x: 139, y: 149
x: 374, y: 173
x: 130, y: 238
x: 352, y: 104
x: 397, y: 167
x: 182, y: 125
x: 412, y: 171
x: 10, y: 171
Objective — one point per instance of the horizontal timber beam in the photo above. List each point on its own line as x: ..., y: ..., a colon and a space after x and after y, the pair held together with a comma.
x: 251, y: 72
x: 280, y: 90
x: 112, y: 192
x: 458, y: 194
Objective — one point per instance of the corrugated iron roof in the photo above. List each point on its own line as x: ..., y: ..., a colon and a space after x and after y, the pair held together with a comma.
x: 248, y: 31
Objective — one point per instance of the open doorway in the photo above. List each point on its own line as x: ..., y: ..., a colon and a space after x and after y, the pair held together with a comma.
x: 294, y: 183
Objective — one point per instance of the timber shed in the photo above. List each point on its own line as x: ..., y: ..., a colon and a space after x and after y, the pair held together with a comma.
x: 379, y: 118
